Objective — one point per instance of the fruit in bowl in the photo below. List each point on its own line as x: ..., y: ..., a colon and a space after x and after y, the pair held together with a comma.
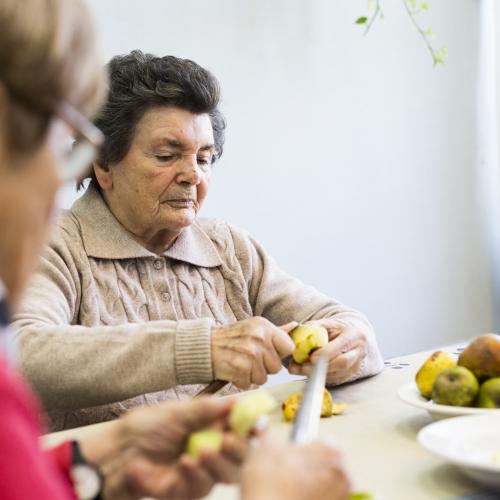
x: 433, y: 366
x: 482, y: 356
x: 472, y: 382
x: 489, y: 394
x: 455, y: 386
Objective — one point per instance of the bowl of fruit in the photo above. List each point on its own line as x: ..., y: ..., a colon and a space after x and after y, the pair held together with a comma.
x: 446, y: 387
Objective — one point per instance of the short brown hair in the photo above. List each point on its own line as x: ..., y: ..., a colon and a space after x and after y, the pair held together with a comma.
x: 139, y: 82
x: 47, y: 55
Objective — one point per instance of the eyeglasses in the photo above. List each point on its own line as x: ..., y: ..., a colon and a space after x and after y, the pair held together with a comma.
x: 78, y: 157
x: 88, y: 140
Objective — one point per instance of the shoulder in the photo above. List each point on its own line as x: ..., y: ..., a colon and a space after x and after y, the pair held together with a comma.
x: 234, y: 245
x: 223, y: 234
x: 65, y: 241
x: 66, y: 230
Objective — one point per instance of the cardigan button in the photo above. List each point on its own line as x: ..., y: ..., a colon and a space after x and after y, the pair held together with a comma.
x: 158, y: 264
x: 165, y: 296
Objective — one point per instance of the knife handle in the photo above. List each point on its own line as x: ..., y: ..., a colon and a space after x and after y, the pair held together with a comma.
x: 212, y: 388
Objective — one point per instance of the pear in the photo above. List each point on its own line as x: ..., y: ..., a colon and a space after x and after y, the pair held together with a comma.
x: 250, y: 411
x: 204, y: 440
x: 455, y: 386
x: 489, y: 394
x: 307, y: 338
x: 339, y: 408
x: 361, y: 495
x: 432, y: 367
x: 482, y: 356
x: 291, y: 405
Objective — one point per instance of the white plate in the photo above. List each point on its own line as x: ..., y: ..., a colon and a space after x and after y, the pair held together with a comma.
x: 470, y: 443
x: 410, y: 394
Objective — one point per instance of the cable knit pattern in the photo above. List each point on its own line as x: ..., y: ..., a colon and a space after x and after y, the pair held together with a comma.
x: 107, y: 325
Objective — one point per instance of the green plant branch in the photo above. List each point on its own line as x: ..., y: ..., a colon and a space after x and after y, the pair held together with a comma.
x: 412, y: 9
x: 435, y: 54
x: 376, y: 13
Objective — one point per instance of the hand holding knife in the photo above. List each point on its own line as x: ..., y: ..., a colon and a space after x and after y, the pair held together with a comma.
x: 218, y: 384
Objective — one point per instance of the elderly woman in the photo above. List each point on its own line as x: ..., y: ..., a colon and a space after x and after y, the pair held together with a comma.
x: 138, y: 300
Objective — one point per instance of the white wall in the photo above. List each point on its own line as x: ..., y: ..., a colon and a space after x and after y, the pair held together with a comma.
x: 349, y: 157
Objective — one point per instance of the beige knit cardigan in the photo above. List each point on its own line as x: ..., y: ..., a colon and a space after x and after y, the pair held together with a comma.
x: 107, y: 325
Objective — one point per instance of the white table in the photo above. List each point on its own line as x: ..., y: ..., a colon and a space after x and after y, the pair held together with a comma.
x: 377, y: 434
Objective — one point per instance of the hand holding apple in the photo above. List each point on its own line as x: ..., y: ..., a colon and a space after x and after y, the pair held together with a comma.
x: 346, y: 348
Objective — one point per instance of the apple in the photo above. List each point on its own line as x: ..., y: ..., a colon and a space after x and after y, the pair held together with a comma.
x: 455, y: 386
x: 489, y: 394
x: 482, y: 356
x: 291, y: 405
x: 204, y: 440
x: 307, y: 338
x: 250, y: 411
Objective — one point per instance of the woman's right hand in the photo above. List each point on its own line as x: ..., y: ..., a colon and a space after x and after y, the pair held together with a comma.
x: 245, y: 352
x: 294, y: 472
x: 143, y: 454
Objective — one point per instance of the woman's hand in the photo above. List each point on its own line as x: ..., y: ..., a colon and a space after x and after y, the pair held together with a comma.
x: 142, y: 454
x: 347, y: 348
x: 245, y: 352
x: 295, y: 472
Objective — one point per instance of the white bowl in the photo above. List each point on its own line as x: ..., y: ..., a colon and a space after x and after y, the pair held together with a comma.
x: 410, y: 394
x: 472, y: 443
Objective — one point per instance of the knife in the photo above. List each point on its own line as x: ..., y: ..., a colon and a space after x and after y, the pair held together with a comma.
x: 306, y: 424
x: 214, y: 386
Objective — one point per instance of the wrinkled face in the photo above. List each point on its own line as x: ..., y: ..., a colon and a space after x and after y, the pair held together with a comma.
x: 28, y: 187
x: 158, y: 188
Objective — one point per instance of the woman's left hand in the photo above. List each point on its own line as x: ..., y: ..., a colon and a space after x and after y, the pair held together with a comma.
x: 347, y: 348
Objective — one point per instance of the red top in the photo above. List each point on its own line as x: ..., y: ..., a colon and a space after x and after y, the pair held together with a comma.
x: 27, y: 472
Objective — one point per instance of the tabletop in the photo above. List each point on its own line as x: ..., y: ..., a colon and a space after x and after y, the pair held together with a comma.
x: 377, y: 434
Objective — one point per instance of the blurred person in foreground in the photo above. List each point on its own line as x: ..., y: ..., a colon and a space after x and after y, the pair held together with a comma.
x: 138, y: 299
x: 50, y: 82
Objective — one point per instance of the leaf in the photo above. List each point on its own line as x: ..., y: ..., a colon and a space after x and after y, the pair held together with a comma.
x: 361, y: 20
x: 438, y: 58
x: 424, y: 6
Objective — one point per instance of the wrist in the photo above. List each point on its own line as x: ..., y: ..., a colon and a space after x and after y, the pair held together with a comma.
x: 193, y: 359
x: 106, y: 444
x: 87, y: 478
x: 266, y: 491
x: 256, y: 485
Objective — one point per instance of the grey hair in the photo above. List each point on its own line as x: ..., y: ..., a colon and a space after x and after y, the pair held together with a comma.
x: 139, y: 82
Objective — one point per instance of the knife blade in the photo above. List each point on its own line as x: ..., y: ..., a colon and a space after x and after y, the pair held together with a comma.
x: 306, y: 424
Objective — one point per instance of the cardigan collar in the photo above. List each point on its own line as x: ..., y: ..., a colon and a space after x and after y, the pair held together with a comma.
x: 105, y: 238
